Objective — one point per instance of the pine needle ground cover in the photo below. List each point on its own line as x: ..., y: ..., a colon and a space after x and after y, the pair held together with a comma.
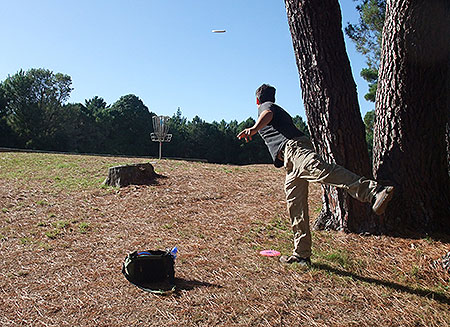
x: 64, y: 236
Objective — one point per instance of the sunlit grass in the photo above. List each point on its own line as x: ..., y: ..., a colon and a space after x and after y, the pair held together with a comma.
x: 62, y: 172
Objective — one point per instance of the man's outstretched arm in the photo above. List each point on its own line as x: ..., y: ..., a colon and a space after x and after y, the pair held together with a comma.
x: 263, y: 120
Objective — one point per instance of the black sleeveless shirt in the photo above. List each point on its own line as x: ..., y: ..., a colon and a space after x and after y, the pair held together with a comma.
x: 280, y: 130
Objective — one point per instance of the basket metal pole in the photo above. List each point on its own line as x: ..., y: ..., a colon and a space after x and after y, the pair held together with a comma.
x: 160, y: 131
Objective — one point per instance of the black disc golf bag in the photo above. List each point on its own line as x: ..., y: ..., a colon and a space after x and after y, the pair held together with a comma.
x: 153, y: 271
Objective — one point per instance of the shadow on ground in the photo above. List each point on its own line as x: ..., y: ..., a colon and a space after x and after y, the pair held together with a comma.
x: 398, y: 287
x: 187, y: 285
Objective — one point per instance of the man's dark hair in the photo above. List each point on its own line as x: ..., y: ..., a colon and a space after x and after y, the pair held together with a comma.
x: 265, y: 93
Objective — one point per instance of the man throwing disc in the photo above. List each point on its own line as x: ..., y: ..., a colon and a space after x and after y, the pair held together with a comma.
x: 291, y: 149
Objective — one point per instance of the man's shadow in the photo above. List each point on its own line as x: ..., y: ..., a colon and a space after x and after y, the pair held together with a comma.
x: 415, y: 291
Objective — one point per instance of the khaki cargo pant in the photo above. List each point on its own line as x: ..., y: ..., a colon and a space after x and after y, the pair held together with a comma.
x: 304, y: 165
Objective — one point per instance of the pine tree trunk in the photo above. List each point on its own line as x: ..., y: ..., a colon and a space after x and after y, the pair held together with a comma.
x: 412, y: 110
x: 331, y: 105
x: 447, y: 138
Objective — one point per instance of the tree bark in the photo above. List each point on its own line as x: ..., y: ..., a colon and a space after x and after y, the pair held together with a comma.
x: 136, y: 174
x: 447, y: 138
x: 412, y: 110
x: 331, y: 105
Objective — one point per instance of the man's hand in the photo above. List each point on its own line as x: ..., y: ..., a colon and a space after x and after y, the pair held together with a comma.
x: 263, y: 119
x: 246, y: 134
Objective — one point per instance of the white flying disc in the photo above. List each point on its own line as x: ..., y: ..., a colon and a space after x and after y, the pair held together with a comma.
x: 218, y: 31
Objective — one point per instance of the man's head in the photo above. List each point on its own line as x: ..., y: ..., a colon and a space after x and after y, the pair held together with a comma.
x: 265, y: 93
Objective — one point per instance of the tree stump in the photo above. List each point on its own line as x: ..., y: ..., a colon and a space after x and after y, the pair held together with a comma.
x: 136, y: 174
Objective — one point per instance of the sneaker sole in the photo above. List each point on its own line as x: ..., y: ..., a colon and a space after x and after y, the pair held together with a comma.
x: 384, y: 201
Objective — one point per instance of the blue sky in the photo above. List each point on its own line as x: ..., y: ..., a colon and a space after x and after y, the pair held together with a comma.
x: 164, y: 52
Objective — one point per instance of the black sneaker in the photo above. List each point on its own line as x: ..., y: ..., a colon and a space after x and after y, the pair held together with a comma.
x: 295, y: 259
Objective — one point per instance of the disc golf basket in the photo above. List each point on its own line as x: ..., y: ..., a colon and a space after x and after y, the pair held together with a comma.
x: 160, y: 131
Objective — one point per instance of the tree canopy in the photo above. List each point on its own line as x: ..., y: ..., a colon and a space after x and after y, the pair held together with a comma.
x: 367, y: 35
x: 32, y: 105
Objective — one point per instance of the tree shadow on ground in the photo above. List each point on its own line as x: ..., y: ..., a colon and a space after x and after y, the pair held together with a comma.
x: 438, y: 237
x: 398, y: 287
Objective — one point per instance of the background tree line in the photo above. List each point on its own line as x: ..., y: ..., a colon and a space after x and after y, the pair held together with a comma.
x: 34, y: 114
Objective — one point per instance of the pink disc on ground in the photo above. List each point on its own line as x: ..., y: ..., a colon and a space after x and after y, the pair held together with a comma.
x: 270, y: 253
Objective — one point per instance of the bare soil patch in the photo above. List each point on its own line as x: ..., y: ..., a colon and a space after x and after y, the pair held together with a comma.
x: 63, y: 238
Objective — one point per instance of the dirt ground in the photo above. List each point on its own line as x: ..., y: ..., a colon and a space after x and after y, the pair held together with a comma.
x: 64, y: 236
